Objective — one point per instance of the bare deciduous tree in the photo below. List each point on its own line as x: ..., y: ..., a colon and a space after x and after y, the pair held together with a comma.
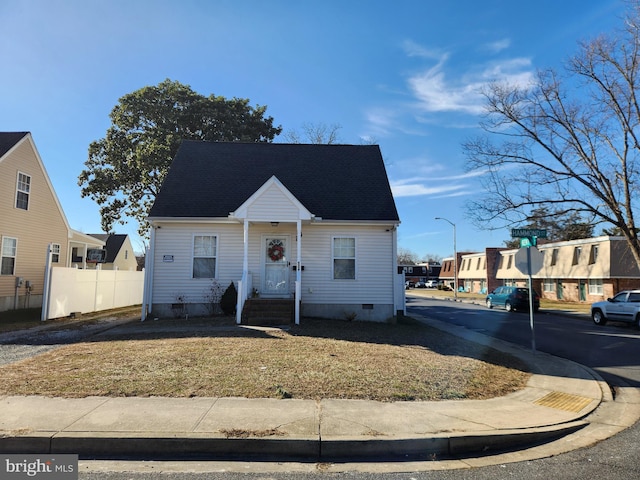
x: 568, y: 143
x: 316, y: 133
x: 407, y: 257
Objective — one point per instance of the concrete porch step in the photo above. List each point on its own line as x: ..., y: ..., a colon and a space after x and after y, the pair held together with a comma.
x: 268, y: 312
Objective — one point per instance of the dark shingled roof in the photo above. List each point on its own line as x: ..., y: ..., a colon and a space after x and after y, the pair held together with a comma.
x: 113, y: 243
x: 334, y: 182
x: 8, y: 140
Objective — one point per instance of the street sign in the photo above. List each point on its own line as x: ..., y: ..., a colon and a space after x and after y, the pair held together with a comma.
x: 528, y: 232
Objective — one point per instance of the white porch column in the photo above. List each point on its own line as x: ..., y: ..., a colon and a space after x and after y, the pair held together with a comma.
x: 242, y: 290
x: 298, y: 294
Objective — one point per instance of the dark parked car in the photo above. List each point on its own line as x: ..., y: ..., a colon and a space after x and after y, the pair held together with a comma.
x: 512, y: 298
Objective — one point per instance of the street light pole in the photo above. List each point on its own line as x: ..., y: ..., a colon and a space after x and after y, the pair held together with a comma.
x: 455, y: 259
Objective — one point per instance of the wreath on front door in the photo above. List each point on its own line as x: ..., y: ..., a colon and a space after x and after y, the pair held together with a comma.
x: 275, y: 252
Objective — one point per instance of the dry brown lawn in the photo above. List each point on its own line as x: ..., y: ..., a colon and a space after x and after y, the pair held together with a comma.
x: 317, y: 359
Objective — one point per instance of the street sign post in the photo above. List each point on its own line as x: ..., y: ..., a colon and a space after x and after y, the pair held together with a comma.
x: 528, y: 241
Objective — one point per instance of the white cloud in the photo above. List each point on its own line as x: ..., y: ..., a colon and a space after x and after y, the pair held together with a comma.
x: 498, y: 45
x: 414, y: 187
x: 412, y: 49
x: 441, y: 89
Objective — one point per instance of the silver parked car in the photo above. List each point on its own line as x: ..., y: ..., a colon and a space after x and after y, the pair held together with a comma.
x: 624, y: 307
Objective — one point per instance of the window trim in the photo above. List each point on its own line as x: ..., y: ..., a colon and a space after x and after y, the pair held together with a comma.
x: 596, y: 286
x: 19, y: 190
x: 14, y: 256
x: 577, y: 253
x: 216, y: 255
x: 334, y: 257
x: 548, y: 285
x: 55, y: 252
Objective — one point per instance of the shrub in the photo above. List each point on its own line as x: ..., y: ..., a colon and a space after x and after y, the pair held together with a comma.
x: 229, y: 300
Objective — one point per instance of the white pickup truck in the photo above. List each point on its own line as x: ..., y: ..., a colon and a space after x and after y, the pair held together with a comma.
x: 624, y: 307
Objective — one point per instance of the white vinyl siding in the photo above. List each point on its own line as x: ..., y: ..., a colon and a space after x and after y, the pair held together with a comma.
x: 373, y: 283
x: 175, y: 277
x: 374, y: 279
x: 273, y: 205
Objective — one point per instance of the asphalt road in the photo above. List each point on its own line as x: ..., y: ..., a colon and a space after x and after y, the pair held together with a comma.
x: 611, y: 350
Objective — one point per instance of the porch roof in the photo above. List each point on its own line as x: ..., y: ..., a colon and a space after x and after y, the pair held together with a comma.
x: 334, y: 182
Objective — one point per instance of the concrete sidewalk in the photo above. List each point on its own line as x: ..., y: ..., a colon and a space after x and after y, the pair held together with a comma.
x: 562, y: 400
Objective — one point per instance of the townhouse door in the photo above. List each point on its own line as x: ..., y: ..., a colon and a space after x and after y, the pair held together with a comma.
x: 276, y: 266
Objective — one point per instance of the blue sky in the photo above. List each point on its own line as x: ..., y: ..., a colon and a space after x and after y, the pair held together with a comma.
x: 404, y: 73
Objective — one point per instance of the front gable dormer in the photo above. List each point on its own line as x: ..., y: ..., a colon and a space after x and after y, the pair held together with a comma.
x: 272, y: 202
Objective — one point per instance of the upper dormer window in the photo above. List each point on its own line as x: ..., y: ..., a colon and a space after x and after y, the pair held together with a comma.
x: 23, y: 189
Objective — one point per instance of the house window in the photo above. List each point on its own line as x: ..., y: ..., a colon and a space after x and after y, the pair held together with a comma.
x: 478, y: 264
x: 549, y: 285
x: 595, y: 286
x: 509, y: 262
x: 55, y: 253
x: 576, y: 255
x: 344, y: 258
x: 8, y: 255
x: 23, y: 189
x: 593, y: 255
x: 554, y: 256
x: 204, y: 256
x: 126, y: 254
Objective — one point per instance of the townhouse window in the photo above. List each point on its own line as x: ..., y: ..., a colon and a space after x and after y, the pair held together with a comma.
x: 344, y: 258
x: 548, y: 285
x: 55, y: 253
x: 577, y: 251
x: 595, y: 286
x: 593, y: 255
x: 8, y: 256
x: 204, y: 256
x: 509, y: 262
x: 478, y: 264
x: 463, y: 262
x: 23, y: 189
x: 554, y: 256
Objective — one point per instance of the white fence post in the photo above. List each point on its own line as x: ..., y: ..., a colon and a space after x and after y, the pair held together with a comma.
x: 47, y: 282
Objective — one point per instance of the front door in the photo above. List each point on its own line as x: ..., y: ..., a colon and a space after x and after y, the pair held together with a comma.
x: 276, y: 266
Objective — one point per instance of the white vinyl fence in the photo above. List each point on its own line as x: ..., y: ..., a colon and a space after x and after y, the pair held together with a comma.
x: 76, y: 290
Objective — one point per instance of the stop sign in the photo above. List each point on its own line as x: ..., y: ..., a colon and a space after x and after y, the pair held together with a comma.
x: 522, y: 262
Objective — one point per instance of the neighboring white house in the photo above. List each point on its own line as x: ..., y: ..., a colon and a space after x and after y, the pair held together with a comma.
x: 315, y: 224
x: 120, y: 255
